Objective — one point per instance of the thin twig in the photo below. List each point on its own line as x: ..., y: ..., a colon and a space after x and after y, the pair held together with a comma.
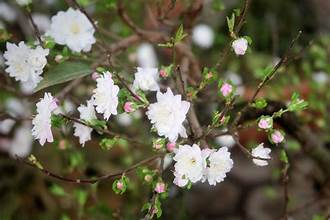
x: 35, y: 28
x: 91, y: 180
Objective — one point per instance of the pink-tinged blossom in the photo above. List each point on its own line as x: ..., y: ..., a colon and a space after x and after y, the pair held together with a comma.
x: 265, y: 123
x: 240, y: 46
x: 42, y: 121
x: 170, y: 146
x: 128, y: 107
x: 163, y: 73
x: 277, y: 137
x: 160, y: 187
x: 226, y: 89
x: 120, y: 185
x: 95, y: 75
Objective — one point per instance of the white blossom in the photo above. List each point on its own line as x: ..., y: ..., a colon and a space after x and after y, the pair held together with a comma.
x: 168, y: 115
x: 72, y: 28
x: 146, y: 79
x: 218, y: 164
x: 262, y: 152
x: 240, y: 46
x: 7, y: 12
x: 21, y: 145
x: 25, y: 64
x: 42, y: 121
x: 87, y: 113
x: 203, y: 36
x: 106, y: 95
x: 189, y: 164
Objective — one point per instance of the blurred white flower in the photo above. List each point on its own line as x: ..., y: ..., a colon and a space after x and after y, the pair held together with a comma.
x: 320, y: 77
x: 87, y: 113
x: 124, y: 119
x: 106, y: 95
x: 189, y: 164
x: 6, y: 125
x: 42, y: 121
x: 219, y: 163
x: 225, y: 140
x: 42, y: 21
x: 25, y: 64
x: 23, y: 2
x: 168, y: 115
x: 21, y: 145
x: 146, y: 55
x: 236, y: 79
x: 240, y: 46
x: 7, y: 12
x: 203, y: 35
x: 262, y: 152
x: 146, y: 79
x: 72, y: 28
x: 18, y: 108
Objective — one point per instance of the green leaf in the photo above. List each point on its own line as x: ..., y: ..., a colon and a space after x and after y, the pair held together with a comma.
x: 63, y: 72
x: 260, y: 103
x: 81, y: 197
x: 231, y: 23
x: 57, y: 190
x: 284, y: 157
x: 179, y: 35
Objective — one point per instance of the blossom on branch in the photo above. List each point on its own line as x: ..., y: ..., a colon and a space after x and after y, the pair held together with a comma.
x: 106, y: 95
x: 42, y: 121
x: 73, y: 29
x: 218, y: 164
x: 87, y: 113
x: 168, y: 115
x: 240, y: 46
x: 261, y: 152
x: 146, y: 79
x: 25, y: 64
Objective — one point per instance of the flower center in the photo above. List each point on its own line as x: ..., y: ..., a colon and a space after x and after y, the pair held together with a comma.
x: 75, y: 29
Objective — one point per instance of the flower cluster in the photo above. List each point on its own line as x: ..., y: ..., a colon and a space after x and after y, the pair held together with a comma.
x: 25, y: 64
x: 193, y: 165
x: 146, y: 79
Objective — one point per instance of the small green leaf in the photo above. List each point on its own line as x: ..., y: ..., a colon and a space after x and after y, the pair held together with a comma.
x: 284, y: 157
x: 231, y: 23
x: 260, y: 103
x: 179, y: 35
x: 81, y: 196
x: 63, y: 72
x: 57, y: 190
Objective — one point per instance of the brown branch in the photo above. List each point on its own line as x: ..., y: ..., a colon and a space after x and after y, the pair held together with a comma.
x: 285, y: 191
x: 35, y: 28
x: 284, y: 60
x: 91, y: 180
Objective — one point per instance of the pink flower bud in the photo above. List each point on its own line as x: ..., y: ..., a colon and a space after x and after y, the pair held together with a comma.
x: 160, y: 187
x: 170, y: 146
x: 226, y: 89
x: 277, y: 137
x: 157, y: 146
x: 120, y: 185
x: 58, y: 58
x: 265, y: 123
x: 209, y: 75
x: 95, y: 75
x: 128, y: 107
x: 240, y: 46
x: 54, y: 104
x: 163, y: 73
